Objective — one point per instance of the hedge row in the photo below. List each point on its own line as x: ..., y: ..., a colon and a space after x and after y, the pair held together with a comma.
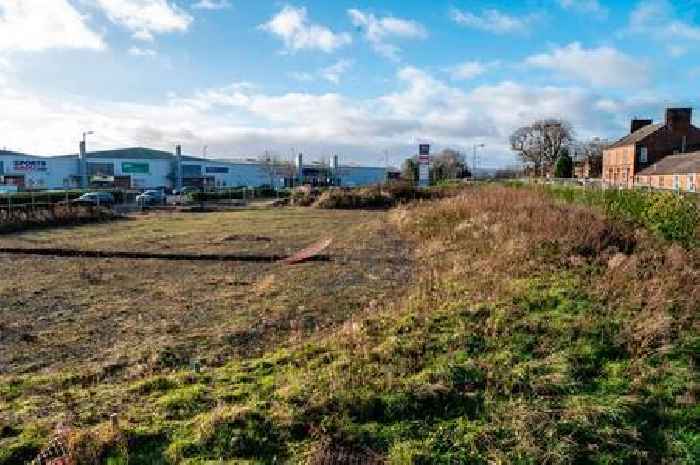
x: 671, y: 215
x: 238, y: 194
x: 51, y: 197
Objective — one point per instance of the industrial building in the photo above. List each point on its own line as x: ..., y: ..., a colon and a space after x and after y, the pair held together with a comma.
x: 143, y: 168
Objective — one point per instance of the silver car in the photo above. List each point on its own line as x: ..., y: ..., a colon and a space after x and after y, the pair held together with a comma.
x: 152, y: 197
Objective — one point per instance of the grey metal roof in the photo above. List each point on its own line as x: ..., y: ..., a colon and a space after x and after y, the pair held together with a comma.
x: 16, y: 154
x: 675, y: 164
x: 638, y: 135
x: 140, y: 153
x: 143, y: 153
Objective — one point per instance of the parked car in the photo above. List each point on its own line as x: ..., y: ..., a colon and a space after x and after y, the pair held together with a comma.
x: 94, y: 199
x: 152, y: 197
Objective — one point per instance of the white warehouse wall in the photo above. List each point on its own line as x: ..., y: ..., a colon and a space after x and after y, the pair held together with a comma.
x: 62, y: 172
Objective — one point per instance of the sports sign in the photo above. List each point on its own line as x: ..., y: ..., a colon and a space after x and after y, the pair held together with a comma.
x: 30, y: 165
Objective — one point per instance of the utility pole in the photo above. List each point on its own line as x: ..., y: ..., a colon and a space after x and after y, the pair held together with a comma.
x: 386, y: 166
x: 82, y: 160
x: 475, y: 159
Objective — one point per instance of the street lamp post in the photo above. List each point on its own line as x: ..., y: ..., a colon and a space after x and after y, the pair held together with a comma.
x: 83, y: 159
x: 474, y: 159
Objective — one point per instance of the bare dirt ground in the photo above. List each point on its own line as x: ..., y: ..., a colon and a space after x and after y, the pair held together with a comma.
x: 114, y: 316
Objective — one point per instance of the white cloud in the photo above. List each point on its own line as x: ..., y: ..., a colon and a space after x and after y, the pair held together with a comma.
x: 468, y: 70
x: 144, y: 18
x: 335, y: 72
x: 211, y: 5
x: 379, y: 31
x: 292, y: 26
x: 301, y: 76
x: 657, y: 19
x: 599, y: 67
x: 495, y: 21
x: 243, y: 120
x: 35, y: 25
x: 142, y: 52
x: 592, y: 7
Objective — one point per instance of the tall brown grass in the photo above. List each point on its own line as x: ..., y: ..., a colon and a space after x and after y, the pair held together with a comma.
x: 493, y: 234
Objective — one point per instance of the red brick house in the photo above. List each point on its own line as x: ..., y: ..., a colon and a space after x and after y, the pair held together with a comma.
x: 649, y: 143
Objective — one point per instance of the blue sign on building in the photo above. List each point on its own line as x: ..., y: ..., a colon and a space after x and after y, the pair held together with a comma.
x: 2, y: 167
x: 217, y: 170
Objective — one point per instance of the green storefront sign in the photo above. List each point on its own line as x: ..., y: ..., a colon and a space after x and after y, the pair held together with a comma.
x: 135, y: 168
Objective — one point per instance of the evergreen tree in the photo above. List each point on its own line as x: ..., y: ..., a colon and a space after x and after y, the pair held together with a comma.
x: 565, y: 165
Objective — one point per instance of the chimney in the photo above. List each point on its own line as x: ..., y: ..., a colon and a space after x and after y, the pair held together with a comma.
x: 300, y: 165
x: 678, y: 120
x: 82, y: 166
x: 178, y: 167
x: 638, y: 124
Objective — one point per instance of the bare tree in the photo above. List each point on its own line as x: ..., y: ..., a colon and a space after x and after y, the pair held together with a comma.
x: 275, y: 167
x: 448, y: 164
x: 591, y: 151
x: 540, y: 143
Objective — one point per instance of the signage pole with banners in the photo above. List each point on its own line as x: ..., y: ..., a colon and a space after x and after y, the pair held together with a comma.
x: 424, y: 165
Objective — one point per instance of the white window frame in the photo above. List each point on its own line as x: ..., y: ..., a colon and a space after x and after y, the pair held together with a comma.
x: 676, y: 182
x: 643, y: 155
x: 691, y: 182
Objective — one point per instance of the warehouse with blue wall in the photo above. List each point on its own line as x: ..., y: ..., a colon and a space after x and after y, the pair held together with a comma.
x: 143, y: 168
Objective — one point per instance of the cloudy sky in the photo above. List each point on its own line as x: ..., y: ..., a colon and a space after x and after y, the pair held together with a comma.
x: 353, y: 77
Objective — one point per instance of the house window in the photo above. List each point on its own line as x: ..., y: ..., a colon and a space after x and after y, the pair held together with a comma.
x: 643, y: 155
x: 676, y: 182
x: 691, y: 183
x: 661, y: 181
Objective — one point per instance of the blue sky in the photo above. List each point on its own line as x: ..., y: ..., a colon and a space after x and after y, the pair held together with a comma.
x: 356, y: 78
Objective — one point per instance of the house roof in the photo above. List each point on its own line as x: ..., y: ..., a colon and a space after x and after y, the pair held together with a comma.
x: 638, y: 135
x: 675, y: 164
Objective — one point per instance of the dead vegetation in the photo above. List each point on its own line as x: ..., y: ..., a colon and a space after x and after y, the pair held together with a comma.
x: 26, y: 218
x: 533, y: 332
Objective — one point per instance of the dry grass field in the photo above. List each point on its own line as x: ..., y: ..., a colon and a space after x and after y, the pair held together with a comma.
x: 501, y: 325
x: 113, y: 316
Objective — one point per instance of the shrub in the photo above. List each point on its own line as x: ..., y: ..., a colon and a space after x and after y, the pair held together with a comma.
x: 58, y: 215
x: 369, y: 197
x: 564, y: 168
x: 304, y: 196
x: 672, y: 216
x: 382, y: 196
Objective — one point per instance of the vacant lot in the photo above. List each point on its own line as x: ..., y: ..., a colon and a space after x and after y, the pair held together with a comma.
x: 109, y: 315
x: 499, y: 326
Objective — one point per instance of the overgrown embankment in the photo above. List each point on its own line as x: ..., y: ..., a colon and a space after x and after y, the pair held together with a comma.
x: 539, y: 332
x: 28, y: 217
x: 381, y: 196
